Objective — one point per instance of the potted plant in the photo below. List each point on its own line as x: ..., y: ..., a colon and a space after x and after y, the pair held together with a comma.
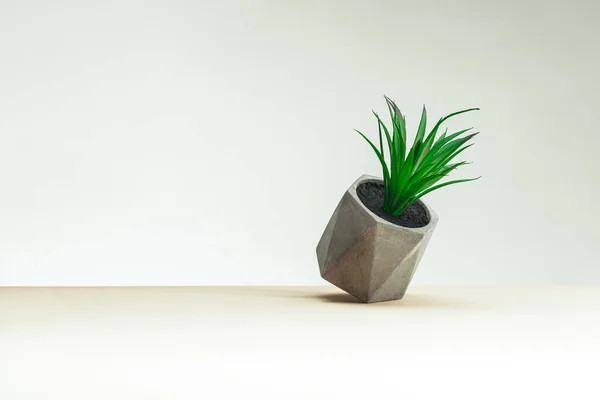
x: 380, y: 228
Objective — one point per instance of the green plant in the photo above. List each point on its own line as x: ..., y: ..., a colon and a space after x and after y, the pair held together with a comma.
x: 412, y: 173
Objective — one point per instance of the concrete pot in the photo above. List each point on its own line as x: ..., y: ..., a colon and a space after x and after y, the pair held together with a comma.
x: 370, y: 258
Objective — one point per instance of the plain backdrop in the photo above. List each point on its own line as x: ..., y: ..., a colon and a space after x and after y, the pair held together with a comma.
x: 207, y: 143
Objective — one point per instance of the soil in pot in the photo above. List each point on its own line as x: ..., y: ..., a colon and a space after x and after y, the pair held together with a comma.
x: 371, y: 194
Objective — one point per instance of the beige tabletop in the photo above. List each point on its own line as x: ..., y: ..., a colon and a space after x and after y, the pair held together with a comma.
x: 445, y: 342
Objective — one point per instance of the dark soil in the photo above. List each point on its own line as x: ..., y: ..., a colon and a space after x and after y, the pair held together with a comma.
x: 371, y: 194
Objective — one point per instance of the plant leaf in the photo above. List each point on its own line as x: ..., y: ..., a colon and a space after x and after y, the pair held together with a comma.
x: 441, y: 185
x: 431, y: 136
x: 429, y: 179
x: 385, y: 130
x: 422, y: 126
x: 386, y: 175
x: 452, y: 115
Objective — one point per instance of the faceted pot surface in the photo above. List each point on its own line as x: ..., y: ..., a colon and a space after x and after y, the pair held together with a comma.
x: 366, y: 256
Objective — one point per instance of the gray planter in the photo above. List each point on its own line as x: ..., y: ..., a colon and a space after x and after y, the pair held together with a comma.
x: 372, y: 259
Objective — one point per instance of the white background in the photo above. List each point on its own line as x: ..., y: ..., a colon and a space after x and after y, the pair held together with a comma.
x: 200, y: 143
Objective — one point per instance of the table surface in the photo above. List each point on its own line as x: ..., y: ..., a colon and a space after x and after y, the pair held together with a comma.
x: 479, y: 342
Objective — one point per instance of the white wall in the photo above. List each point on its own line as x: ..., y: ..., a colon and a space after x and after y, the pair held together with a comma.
x: 199, y: 143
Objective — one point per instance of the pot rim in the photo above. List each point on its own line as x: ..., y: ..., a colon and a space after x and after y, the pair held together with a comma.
x: 370, y: 178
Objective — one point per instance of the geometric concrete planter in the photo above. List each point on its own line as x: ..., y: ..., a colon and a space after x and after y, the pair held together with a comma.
x: 366, y: 256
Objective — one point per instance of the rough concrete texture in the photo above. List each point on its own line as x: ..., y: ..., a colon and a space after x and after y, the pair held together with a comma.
x: 367, y: 256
